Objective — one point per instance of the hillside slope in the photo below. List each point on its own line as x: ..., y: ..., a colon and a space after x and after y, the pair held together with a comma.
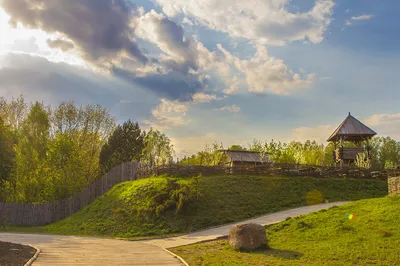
x: 327, y: 237
x: 129, y: 209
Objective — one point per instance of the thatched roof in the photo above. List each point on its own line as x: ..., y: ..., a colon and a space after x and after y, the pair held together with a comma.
x: 352, y: 130
x: 245, y: 156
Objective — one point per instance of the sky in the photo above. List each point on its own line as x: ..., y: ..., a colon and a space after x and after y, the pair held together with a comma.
x: 205, y: 71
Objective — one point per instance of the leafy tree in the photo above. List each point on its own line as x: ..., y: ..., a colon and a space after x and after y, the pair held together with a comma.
x: 14, y: 112
x: 157, y: 148
x: 124, y: 145
x: 7, y: 154
x: 237, y: 148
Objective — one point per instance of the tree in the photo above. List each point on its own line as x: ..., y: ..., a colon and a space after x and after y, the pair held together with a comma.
x: 7, y: 153
x: 31, y: 153
x: 13, y: 113
x: 124, y: 145
x: 157, y: 148
x: 36, y: 129
x: 236, y: 148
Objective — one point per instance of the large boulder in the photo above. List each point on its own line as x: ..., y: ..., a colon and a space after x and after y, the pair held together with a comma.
x: 247, y: 237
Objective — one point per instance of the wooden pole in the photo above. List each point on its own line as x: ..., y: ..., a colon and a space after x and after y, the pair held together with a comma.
x: 341, y: 147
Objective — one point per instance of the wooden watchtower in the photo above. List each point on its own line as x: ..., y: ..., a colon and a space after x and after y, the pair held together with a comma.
x: 350, y: 130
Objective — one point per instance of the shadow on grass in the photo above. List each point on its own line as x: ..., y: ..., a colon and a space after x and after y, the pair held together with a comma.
x: 279, y: 253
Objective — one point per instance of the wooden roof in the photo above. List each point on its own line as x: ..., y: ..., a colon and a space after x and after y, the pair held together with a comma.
x: 352, y: 130
x: 245, y: 156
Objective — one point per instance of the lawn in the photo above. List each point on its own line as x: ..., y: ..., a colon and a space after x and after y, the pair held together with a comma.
x: 127, y: 210
x: 327, y: 237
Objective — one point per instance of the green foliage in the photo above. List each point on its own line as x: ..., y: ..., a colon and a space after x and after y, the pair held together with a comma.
x: 210, y: 156
x: 55, y: 149
x: 157, y: 149
x: 326, y: 237
x: 7, y: 155
x: 236, y: 148
x: 124, y: 145
x: 165, y: 205
x: 177, y: 196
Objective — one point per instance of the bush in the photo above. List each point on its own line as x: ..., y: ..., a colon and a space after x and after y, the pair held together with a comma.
x: 176, y: 196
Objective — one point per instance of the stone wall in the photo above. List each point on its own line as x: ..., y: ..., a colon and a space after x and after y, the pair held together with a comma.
x: 394, y: 185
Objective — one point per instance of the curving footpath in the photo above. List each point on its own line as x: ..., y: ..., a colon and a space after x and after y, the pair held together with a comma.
x: 71, y: 250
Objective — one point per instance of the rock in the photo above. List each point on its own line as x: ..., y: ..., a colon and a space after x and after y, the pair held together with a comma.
x: 247, y: 237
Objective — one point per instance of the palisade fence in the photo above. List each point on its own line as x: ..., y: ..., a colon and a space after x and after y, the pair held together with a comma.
x: 25, y: 214
x: 281, y: 169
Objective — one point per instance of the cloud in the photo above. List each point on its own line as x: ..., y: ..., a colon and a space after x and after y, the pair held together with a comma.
x: 231, y: 108
x: 202, y: 97
x: 187, y: 21
x: 99, y: 28
x: 385, y: 124
x: 325, y: 78
x: 172, y: 85
x: 362, y: 17
x: 64, y: 45
x: 41, y: 80
x: 266, y: 22
x: 262, y: 73
x: 169, y: 114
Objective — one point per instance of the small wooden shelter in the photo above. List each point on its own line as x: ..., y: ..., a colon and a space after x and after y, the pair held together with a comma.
x: 243, y: 158
x: 350, y: 130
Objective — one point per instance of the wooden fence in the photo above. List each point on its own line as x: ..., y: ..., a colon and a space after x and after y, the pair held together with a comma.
x: 282, y: 169
x: 41, y: 214
x: 25, y: 214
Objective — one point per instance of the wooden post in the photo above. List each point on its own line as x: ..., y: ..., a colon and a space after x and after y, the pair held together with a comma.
x: 341, y: 147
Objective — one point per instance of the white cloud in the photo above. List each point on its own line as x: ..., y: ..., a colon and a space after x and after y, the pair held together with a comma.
x: 169, y: 114
x: 202, y: 97
x: 363, y: 17
x: 385, y: 124
x: 262, y: 73
x: 266, y: 74
x: 233, y: 87
x: 232, y: 108
x: 187, y: 21
x: 264, y: 21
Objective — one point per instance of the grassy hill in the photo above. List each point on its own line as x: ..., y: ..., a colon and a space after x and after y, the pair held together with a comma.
x: 326, y: 237
x: 148, y: 207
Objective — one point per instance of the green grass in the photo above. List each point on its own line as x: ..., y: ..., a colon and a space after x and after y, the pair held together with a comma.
x: 224, y: 199
x: 326, y: 237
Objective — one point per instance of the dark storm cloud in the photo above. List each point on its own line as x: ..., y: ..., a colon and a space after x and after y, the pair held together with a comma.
x: 40, y: 80
x: 172, y: 37
x: 101, y: 28
x: 172, y: 85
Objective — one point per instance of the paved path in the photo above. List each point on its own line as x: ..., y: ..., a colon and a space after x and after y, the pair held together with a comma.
x: 71, y: 250
x: 221, y: 231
